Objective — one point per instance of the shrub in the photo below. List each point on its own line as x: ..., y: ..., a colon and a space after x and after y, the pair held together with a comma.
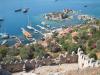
x: 93, y: 55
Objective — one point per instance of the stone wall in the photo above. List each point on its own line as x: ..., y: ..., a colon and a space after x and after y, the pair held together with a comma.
x: 84, y: 61
x: 28, y: 65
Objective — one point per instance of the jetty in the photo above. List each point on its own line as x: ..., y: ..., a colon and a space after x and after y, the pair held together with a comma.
x: 30, y: 27
x: 43, y: 28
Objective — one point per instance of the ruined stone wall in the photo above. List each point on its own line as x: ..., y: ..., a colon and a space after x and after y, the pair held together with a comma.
x: 35, y: 63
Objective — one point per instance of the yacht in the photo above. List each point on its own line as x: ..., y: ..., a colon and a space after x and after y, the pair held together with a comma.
x: 18, y: 10
x: 4, y: 35
x: 43, y: 23
x: 40, y: 27
x: 26, y: 33
x: 1, y: 19
x: 25, y: 10
x: 30, y: 27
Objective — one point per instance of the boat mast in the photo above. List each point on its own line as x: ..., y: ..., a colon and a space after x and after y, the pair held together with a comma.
x: 28, y: 23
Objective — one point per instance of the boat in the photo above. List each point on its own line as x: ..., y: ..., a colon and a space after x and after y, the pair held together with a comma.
x: 43, y: 23
x: 13, y: 36
x: 36, y: 32
x: 30, y: 27
x: 40, y: 27
x: 4, y: 36
x: 53, y: 28
x: 56, y: 0
x: 48, y: 26
x: 18, y: 10
x: 25, y: 10
x: 4, y: 42
x: 43, y: 28
x: 26, y: 33
x: 1, y: 19
x: 31, y: 39
x: 85, y: 5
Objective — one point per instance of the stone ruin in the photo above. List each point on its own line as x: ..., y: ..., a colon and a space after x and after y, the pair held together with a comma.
x: 27, y: 65
x: 84, y: 61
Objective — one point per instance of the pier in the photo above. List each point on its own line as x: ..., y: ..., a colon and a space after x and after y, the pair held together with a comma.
x: 42, y: 27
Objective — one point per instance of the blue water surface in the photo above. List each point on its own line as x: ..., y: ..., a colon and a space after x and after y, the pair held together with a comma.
x: 14, y: 21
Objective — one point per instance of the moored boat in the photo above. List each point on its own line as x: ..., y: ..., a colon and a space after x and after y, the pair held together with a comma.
x: 18, y: 10
x: 25, y: 10
x: 26, y: 33
x: 4, y: 35
x: 1, y: 19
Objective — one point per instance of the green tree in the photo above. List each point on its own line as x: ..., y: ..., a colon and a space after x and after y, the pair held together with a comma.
x: 72, y: 47
x: 3, y: 51
x: 98, y: 45
x: 13, y: 52
x: 26, y: 53
x: 39, y: 51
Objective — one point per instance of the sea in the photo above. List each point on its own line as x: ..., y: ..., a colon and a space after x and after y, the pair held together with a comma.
x: 14, y: 21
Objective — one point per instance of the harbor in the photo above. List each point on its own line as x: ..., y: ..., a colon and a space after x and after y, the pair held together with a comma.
x: 43, y: 20
x: 49, y: 37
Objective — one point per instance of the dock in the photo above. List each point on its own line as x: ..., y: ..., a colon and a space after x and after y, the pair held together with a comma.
x: 42, y: 27
x: 37, y: 30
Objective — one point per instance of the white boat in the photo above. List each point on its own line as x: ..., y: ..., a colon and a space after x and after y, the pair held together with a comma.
x: 43, y: 23
x: 41, y: 27
x: 30, y: 27
x: 31, y: 39
x: 4, y: 35
x: 4, y: 42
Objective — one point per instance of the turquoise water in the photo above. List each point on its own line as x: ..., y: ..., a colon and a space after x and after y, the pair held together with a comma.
x: 14, y: 21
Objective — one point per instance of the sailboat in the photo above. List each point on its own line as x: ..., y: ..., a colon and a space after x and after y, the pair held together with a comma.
x: 29, y: 26
x: 40, y: 27
x: 43, y: 28
x: 4, y: 35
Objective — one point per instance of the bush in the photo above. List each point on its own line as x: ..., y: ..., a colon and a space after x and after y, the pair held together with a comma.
x: 26, y: 53
x: 93, y: 55
x: 72, y: 47
x: 3, y: 50
x: 98, y: 45
x: 39, y: 51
